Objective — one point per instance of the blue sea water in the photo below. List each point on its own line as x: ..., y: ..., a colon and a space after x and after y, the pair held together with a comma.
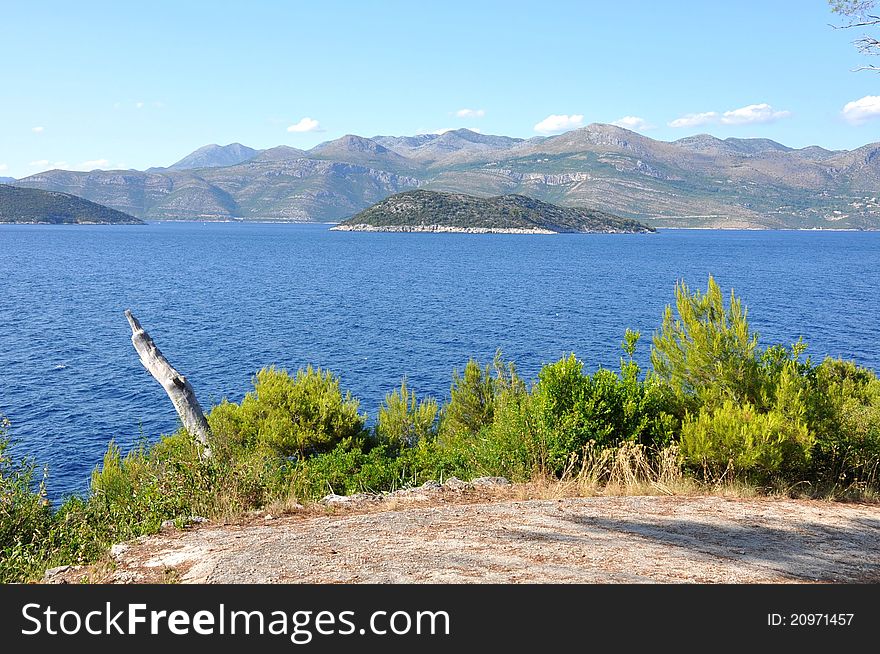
x: 223, y: 300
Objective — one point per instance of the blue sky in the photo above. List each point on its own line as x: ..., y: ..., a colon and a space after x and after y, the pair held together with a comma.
x: 120, y: 84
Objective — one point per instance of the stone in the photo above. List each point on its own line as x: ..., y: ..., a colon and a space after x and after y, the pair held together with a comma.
x: 456, y: 484
x: 118, y: 550
x: 347, y: 500
x: 490, y: 481
x: 54, y: 572
x: 191, y: 520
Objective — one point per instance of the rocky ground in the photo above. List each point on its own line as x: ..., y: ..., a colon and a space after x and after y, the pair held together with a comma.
x: 483, y: 532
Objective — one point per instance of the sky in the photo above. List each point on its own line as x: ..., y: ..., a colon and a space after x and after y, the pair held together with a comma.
x: 108, y: 85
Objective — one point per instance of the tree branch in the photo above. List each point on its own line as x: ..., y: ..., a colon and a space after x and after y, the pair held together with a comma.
x: 179, y: 390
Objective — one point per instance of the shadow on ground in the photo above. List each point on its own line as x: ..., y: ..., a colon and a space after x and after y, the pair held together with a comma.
x: 807, y: 551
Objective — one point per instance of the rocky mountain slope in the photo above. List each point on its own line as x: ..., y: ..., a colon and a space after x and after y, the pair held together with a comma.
x: 28, y: 205
x: 698, y: 181
x: 434, y: 211
x: 214, y: 156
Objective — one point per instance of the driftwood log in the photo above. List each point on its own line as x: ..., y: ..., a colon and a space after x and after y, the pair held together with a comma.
x: 176, y: 385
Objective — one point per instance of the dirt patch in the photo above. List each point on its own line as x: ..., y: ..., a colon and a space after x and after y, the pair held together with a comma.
x: 466, y: 537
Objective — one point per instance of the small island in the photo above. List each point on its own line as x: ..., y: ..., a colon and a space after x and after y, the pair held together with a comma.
x: 34, y: 206
x: 433, y: 211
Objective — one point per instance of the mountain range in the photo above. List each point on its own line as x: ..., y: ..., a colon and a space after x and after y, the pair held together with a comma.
x: 698, y: 181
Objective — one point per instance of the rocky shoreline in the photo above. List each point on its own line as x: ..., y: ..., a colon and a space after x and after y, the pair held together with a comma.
x: 446, y: 229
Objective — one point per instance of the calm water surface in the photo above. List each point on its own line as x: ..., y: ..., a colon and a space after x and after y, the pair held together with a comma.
x: 223, y: 300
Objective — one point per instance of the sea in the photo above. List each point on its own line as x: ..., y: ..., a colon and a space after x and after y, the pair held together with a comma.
x: 223, y: 300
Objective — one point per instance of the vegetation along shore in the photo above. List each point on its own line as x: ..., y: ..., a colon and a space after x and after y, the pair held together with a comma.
x: 714, y: 410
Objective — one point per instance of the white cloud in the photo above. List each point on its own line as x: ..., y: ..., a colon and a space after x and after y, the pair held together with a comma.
x: 3, y: 167
x: 306, y: 125
x: 138, y: 105
x: 554, y: 124
x: 38, y: 130
x: 694, y: 120
x: 753, y: 114
x: 39, y: 163
x: 634, y: 123
x: 470, y: 113
x: 858, y: 111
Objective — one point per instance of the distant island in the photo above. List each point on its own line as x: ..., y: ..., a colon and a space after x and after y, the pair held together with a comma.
x: 33, y: 206
x: 434, y: 211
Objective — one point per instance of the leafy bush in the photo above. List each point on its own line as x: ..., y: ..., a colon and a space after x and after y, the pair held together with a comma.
x: 747, y: 406
x: 707, y: 352
x: 568, y: 409
x: 480, y: 432
x: 344, y: 471
x: 844, y: 413
x: 735, y: 439
x: 25, y: 518
x: 387, y: 467
x: 405, y: 421
x: 475, y: 395
x: 287, y: 416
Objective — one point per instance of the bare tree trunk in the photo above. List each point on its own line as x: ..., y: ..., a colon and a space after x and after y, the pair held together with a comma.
x: 176, y: 385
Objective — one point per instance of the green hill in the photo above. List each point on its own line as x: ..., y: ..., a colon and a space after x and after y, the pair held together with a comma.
x: 432, y: 211
x: 30, y: 205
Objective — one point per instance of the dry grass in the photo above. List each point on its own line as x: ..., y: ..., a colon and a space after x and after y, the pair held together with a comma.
x: 629, y: 469
x: 632, y: 469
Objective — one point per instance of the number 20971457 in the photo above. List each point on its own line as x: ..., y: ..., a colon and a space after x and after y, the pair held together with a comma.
x: 810, y: 619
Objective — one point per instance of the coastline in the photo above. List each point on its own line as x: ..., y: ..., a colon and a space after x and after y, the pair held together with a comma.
x: 438, y: 228
x: 445, y: 229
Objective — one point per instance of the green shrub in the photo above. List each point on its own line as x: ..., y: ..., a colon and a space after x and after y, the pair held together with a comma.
x: 568, y: 410
x: 737, y: 440
x: 387, y: 467
x: 507, y: 448
x: 134, y: 493
x: 25, y: 517
x: 343, y: 471
x: 287, y: 416
x: 475, y: 395
x: 844, y: 413
x: 437, y: 460
x: 405, y: 421
x: 706, y: 351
